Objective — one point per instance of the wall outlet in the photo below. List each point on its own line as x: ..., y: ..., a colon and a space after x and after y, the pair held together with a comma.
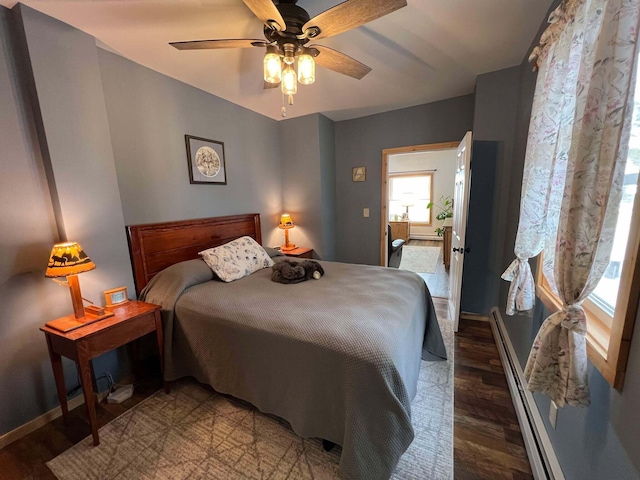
x: 365, y: 213
x: 553, y: 414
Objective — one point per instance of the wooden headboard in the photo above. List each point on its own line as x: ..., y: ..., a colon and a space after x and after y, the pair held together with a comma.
x: 156, y: 246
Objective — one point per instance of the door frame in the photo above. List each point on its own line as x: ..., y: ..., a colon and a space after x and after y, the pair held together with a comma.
x: 385, y: 187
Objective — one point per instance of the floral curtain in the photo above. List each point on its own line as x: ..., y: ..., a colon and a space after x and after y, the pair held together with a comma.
x: 578, y: 140
x: 546, y: 157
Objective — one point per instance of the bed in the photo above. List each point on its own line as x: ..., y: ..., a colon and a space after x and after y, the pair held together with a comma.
x: 338, y: 358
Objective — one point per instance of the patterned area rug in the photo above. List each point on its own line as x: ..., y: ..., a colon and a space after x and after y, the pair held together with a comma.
x: 196, y: 433
x: 419, y: 259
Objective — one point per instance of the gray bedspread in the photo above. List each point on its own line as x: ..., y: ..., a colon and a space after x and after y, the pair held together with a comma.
x: 338, y: 358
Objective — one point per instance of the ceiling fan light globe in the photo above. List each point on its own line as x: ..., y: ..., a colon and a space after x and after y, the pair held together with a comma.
x: 272, y: 68
x: 306, y: 69
x: 289, y: 81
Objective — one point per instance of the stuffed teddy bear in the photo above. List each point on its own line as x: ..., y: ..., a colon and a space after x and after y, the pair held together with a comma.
x: 289, y: 271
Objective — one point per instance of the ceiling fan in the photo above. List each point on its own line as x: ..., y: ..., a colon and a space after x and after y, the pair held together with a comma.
x: 288, y: 29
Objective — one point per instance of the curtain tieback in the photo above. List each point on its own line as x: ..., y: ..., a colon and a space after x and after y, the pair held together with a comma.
x: 513, y: 270
x: 572, y: 318
x: 521, y: 296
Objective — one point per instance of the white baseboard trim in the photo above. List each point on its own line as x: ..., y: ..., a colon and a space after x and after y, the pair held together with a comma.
x: 42, y: 420
x: 473, y: 316
x: 542, y: 456
x: 426, y: 237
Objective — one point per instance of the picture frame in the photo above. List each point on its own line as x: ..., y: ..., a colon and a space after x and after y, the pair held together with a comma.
x: 115, y: 297
x: 359, y: 174
x: 206, y: 161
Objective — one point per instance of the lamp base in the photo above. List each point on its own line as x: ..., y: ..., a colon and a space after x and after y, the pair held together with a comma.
x: 70, y: 322
x: 287, y: 246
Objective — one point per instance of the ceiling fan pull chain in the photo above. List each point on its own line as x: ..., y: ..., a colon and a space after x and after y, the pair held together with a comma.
x: 283, y: 110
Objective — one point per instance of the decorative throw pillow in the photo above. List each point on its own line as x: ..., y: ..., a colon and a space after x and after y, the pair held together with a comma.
x: 236, y: 259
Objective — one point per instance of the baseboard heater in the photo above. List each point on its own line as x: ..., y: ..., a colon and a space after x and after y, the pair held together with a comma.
x: 544, y: 463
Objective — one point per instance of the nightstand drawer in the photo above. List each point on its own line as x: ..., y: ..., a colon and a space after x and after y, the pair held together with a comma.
x: 120, y: 334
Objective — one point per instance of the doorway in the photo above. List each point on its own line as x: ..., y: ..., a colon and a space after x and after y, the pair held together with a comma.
x: 413, y: 178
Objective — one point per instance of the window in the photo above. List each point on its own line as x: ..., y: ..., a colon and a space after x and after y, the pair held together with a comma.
x: 612, y: 307
x: 411, y: 193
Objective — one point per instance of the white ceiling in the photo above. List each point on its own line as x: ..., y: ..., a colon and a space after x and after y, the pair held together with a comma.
x: 428, y: 51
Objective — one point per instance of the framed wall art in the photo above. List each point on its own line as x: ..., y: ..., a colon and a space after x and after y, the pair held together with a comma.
x: 206, y: 161
x: 359, y: 174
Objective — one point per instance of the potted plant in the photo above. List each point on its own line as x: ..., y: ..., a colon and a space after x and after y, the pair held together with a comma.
x: 445, y: 207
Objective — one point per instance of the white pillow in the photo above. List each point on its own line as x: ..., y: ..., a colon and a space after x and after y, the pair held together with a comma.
x: 236, y: 259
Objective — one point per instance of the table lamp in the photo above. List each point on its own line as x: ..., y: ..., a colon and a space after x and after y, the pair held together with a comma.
x: 286, y: 223
x: 407, y: 201
x: 405, y: 214
x: 68, y: 260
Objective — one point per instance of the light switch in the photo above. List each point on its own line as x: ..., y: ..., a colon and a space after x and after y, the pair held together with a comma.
x: 365, y: 213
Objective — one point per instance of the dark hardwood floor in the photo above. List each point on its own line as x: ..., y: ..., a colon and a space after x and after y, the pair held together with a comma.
x: 487, y: 439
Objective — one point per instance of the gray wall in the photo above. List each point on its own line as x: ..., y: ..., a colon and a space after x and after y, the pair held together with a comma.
x: 359, y: 142
x: 308, y: 175
x: 52, y: 188
x: 496, y: 105
x: 328, y: 182
x: 301, y: 185
x: 599, y: 442
x: 28, y: 229
x: 149, y: 114
x: 76, y: 145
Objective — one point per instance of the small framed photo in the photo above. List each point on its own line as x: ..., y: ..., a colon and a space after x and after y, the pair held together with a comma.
x: 206, y: 161
x: 115, y: 296
x: 359, y: 174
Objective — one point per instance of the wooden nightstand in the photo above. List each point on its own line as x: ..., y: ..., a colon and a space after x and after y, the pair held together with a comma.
x: 130, y: 321
x: 299, y: 252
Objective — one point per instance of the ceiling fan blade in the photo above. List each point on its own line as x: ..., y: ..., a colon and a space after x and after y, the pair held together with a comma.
x: 267, y: 12
x: 222, y: 43
x: 350, y: 14
x: 268, y: 85
x: 339, y: 62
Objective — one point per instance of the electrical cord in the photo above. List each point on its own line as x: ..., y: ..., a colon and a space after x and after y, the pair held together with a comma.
x: 111, y: 384
x: 74, y: 390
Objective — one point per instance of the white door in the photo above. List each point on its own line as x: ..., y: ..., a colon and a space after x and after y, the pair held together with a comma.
x: 460, y: 207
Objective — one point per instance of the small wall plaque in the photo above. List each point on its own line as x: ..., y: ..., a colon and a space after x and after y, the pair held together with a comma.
x: 359, y: 174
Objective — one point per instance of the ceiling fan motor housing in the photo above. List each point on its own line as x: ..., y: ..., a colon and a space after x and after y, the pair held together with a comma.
x: 295, y: 18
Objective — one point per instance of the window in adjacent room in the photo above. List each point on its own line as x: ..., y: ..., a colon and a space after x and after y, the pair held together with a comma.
x: 411, y: 193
